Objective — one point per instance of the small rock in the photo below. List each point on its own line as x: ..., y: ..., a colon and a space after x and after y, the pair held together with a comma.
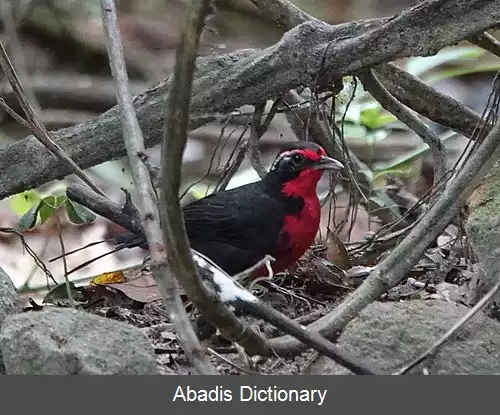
x: 9, y: 303
x: 483, y: 226
x: 70, y: 342
x: 390, y: 335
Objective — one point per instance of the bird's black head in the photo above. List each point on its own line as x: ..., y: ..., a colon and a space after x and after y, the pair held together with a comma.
x: 301, y: 166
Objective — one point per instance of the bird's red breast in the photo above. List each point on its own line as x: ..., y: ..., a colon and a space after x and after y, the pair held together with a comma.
x: 300, y: 229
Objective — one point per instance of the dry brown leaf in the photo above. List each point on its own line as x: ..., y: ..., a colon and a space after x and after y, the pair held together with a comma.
x: 142, y: 289
x: 336, y: 253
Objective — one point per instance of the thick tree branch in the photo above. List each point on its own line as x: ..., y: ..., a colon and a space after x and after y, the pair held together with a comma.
x: 226, y: 82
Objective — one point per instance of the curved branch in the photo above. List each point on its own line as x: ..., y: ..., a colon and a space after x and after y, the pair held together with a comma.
x: 174, y: 231
x: 403, y: 114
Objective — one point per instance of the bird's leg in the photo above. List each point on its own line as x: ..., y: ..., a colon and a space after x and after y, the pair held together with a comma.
x: 245, y: 277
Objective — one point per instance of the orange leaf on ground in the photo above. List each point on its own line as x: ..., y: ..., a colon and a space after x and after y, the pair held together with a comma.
x: 109, y: 278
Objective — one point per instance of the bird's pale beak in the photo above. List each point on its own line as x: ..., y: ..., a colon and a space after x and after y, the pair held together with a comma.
x: 327, y: 163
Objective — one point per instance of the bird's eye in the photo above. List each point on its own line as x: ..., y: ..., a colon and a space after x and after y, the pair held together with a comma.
x: 297, y: 158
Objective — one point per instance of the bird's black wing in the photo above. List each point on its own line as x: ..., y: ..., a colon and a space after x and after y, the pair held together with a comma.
x: 235, y: 228
x: 244, y: 217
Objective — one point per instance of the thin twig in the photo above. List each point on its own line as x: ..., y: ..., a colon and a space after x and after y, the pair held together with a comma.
x: 433, y: 349
x: 253, y: 143
x: 233, y: 167
x: 31, y: 253
x: 65, y: 263
x: 134, y: 143
x: 14, y: 114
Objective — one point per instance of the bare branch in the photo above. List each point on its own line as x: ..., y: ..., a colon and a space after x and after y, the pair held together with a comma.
x: 391, y: 104
x: 134, y: 143
x: 253, y: 142
x: 425, y: 100
x: 233, y: 167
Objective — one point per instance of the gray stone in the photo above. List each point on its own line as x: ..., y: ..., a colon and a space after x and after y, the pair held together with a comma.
x: 70, y: 342
x: 483, y: 225
x: 390, y: 335
x: 9, y: 303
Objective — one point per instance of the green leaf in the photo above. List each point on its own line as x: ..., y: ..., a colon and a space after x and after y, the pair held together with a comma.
x: 22, y: 202
x: 60, y: 200
x: 47, y: 208
x: 78, y: 214
x: 29, y: 219
x: 420, y: 65
x: 373, y: 118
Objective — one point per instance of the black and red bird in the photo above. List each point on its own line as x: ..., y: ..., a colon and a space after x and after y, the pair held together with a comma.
x: 278, y: 215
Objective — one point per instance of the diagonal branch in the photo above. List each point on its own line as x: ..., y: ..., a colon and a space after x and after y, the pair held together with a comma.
x: 426, y: 101
x: 150, y: 216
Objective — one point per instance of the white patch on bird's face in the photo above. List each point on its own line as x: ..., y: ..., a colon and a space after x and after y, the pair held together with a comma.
x: 286, y: 155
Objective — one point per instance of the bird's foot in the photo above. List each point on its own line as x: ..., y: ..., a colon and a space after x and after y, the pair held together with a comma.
x: 246, y: 278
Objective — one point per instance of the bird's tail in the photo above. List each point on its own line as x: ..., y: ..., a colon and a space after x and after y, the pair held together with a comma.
x: 121, y: 242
